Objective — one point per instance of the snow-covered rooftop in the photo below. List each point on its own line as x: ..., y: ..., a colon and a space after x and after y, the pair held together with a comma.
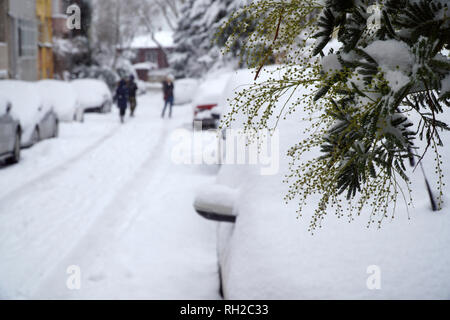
x: 165, y: 39
x: 145, y: 66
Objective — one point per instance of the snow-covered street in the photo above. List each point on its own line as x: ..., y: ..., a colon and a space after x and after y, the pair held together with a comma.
x: 108, y: 199
x: 223, y: 151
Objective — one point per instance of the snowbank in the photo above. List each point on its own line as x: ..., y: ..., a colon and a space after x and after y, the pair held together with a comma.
x: 145, y: 66
x: 271, y: 255
x: 91, y: 93
x: 61, y: 96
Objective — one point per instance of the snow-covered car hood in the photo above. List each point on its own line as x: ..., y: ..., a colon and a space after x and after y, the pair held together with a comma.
x: 27, y: 104
x: 91, y: 93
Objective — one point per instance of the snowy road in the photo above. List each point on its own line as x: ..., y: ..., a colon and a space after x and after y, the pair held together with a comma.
x: 108, y: 199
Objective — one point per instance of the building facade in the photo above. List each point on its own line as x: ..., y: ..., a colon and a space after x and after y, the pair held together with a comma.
x: 150, y: 56
x: 18, y: 40
x: 59, y: 19
x: 45, y: 38
x: 4, y: 54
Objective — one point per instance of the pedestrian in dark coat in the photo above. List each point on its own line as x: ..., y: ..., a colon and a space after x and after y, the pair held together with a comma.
x: 168, y: 95
x: 132, y: 90
x: 122, y: 98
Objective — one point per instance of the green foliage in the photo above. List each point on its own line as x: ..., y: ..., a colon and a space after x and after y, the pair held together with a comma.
x: 361, y: 96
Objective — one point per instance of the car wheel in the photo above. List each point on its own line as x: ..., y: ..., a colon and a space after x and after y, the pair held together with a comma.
x: 16, y: 152
x: 36, y: 137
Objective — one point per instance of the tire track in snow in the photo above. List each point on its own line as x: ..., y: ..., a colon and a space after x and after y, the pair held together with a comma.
x: 59, y: 169
x: 114, y: 220
x: 36, y: 236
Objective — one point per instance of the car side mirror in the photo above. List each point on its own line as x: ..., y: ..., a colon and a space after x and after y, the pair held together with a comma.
x: 216, y: 202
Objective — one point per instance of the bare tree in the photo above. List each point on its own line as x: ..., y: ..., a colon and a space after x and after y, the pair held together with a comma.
x: 169, y: 10
x: 115, y: 26
x: 117, y: 22
x: 152, y: 10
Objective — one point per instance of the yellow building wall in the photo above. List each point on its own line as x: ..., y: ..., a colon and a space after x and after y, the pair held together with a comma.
x: 44, y: 15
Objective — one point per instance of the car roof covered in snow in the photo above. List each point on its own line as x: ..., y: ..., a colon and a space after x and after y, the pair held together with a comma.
x: 91, y: 92
x: 211, y: 88
x: 59, y: 94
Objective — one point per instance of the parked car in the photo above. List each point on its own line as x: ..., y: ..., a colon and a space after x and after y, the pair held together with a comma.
x: 143, y: 87
x: 63, y: 97
x: 10, y: 133
x: 207, y: 99
x: 185, y: 90
x: 266, y: 252
x: 38, y: 120
x: 93, y: 95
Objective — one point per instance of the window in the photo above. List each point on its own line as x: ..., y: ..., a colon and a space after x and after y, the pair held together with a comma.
x: 152, y: 55
x: 27, y: 38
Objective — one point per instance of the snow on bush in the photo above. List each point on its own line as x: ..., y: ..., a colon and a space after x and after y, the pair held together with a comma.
x: 102, y: 73
x: 362, y: 100
x: 331, y: 64
x: 196, y: 52
x: 391, y: 54
x: 271, y: 255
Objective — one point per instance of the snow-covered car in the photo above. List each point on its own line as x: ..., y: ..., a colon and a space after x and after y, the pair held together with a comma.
x: 206, y: 101
x: 93, y: 95
x: 10, y: 133
x: 143, y: 87
x: 265, y: 250
x: 37, y: 118
x: 184, y: 91
x: 63, y: 98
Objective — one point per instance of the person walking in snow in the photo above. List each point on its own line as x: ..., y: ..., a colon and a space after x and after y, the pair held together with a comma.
x: 168, y: 95
x: 132, y: 90
x: 122, y: 98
